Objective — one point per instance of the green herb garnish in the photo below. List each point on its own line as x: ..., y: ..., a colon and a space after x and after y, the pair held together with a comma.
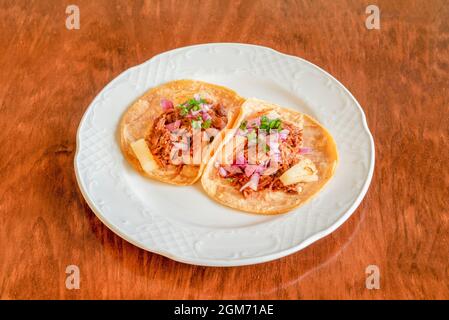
x: 275, y: 124
x: 192, y: 102
x: 243, y: 125
x: 268, y: 124
x: 206, y: 124
x: 189, y: 105
x: 264, y: 123
x: 184, y: 109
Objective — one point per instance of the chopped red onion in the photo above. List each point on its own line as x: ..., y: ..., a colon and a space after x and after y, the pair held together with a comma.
x: 254, y: 168
x: 283, y: 134
x: 166, y: 105
x: 173, y: 126
x: 195, y: 113
x: 233, y: 169
x: 254, y: 122
x: 273, y: 143
x: 206, y: 116
x: 305, y: 150
x: 260, y: 168
x: 240, y: 159
x: 205, y: 107
x: 181, y: 146
x: 197, y: 97
x: 252, y: 183
x: 249, y: 169
x: 274, y: 147
x: 222, y: 172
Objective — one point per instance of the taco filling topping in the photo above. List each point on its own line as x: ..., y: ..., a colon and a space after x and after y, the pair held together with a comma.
x: 269, y: 154
x: 172, y: 131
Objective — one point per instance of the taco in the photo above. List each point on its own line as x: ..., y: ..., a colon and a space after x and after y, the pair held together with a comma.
x: 158, y: 131
x: 273, y: 160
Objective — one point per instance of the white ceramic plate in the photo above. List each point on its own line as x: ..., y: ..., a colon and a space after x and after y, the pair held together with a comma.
x: 182, y: 223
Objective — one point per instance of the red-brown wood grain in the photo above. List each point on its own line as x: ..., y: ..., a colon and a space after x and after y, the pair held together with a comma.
x: 49, y: 75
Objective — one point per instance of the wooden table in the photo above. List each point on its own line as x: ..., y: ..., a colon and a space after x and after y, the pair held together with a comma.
x: 49, y: 75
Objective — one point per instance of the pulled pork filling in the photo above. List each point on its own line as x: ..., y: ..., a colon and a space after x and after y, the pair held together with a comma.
x: 196, y: 113
x: 281, y: 150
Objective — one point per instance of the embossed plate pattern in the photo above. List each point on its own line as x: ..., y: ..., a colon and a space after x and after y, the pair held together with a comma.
x: 182, y: 223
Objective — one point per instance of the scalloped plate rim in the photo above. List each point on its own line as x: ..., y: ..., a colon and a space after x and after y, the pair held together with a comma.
x: 241, y: 261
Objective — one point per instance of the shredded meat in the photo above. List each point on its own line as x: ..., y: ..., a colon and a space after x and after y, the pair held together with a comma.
x: 289, y: 156
x: 219, y: 116
x: 160, y: 141
x: 159, y: 137
x: 290, y: 148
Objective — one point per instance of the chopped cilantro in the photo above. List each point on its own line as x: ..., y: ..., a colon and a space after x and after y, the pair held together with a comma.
x: 275, y: 124
x: 243, y: 125
x: 206, y: 124
x: 191, y: 104
x: 194, y: 102
x: 264, y: 123
x: 266, y: 148
x: 268, y: 124
x: 184, y: 111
